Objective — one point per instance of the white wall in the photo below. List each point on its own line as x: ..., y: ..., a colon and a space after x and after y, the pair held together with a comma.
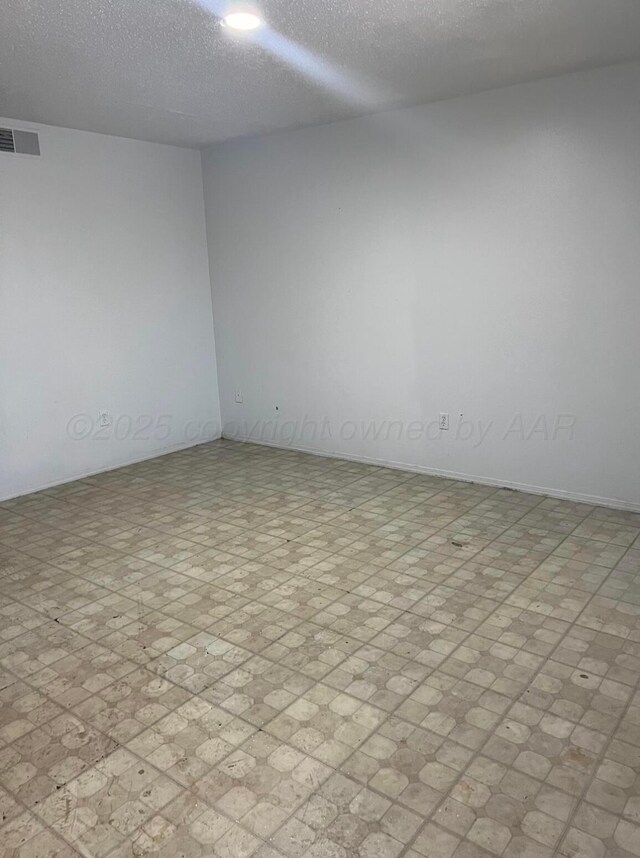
x: 477, y: 256
x: 105, y: 304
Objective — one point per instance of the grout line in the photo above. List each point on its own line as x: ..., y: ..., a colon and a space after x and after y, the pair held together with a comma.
x: 478, y: 753
x: 387, y: 714
x: 599, y: 759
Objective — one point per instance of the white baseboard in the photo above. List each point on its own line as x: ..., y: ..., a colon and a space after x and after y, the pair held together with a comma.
x: 595, y: 500
x: 153, y: 454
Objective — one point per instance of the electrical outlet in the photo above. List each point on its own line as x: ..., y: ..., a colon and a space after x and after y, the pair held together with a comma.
x: 238, y: 395
x: 104, y: 419
x: 444, y: 420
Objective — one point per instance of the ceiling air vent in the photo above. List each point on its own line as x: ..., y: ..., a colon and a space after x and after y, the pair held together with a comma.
x: 20, y: 142
x: 6, y: 140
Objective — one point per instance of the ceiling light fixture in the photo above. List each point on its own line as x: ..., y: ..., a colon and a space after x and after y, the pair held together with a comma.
x: 242, y: 21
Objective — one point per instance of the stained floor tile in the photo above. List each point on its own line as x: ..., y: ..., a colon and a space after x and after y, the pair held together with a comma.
x: 240, y: 651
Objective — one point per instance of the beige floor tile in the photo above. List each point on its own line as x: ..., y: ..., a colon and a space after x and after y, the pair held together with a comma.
x: 236, y: 651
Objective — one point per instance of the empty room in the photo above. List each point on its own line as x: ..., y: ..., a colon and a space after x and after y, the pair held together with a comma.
x: 320, y: 429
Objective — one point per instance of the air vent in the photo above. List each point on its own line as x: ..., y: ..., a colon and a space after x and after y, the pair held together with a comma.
x: 19, y: 142
x: 6, y: 140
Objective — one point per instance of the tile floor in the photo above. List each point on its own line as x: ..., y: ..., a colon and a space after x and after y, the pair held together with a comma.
x: 239, y: 651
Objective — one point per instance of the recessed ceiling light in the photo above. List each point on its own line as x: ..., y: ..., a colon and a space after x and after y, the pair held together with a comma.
x: 242, y: 21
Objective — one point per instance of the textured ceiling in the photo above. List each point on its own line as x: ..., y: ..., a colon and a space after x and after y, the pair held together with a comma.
x: 165, y: 70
